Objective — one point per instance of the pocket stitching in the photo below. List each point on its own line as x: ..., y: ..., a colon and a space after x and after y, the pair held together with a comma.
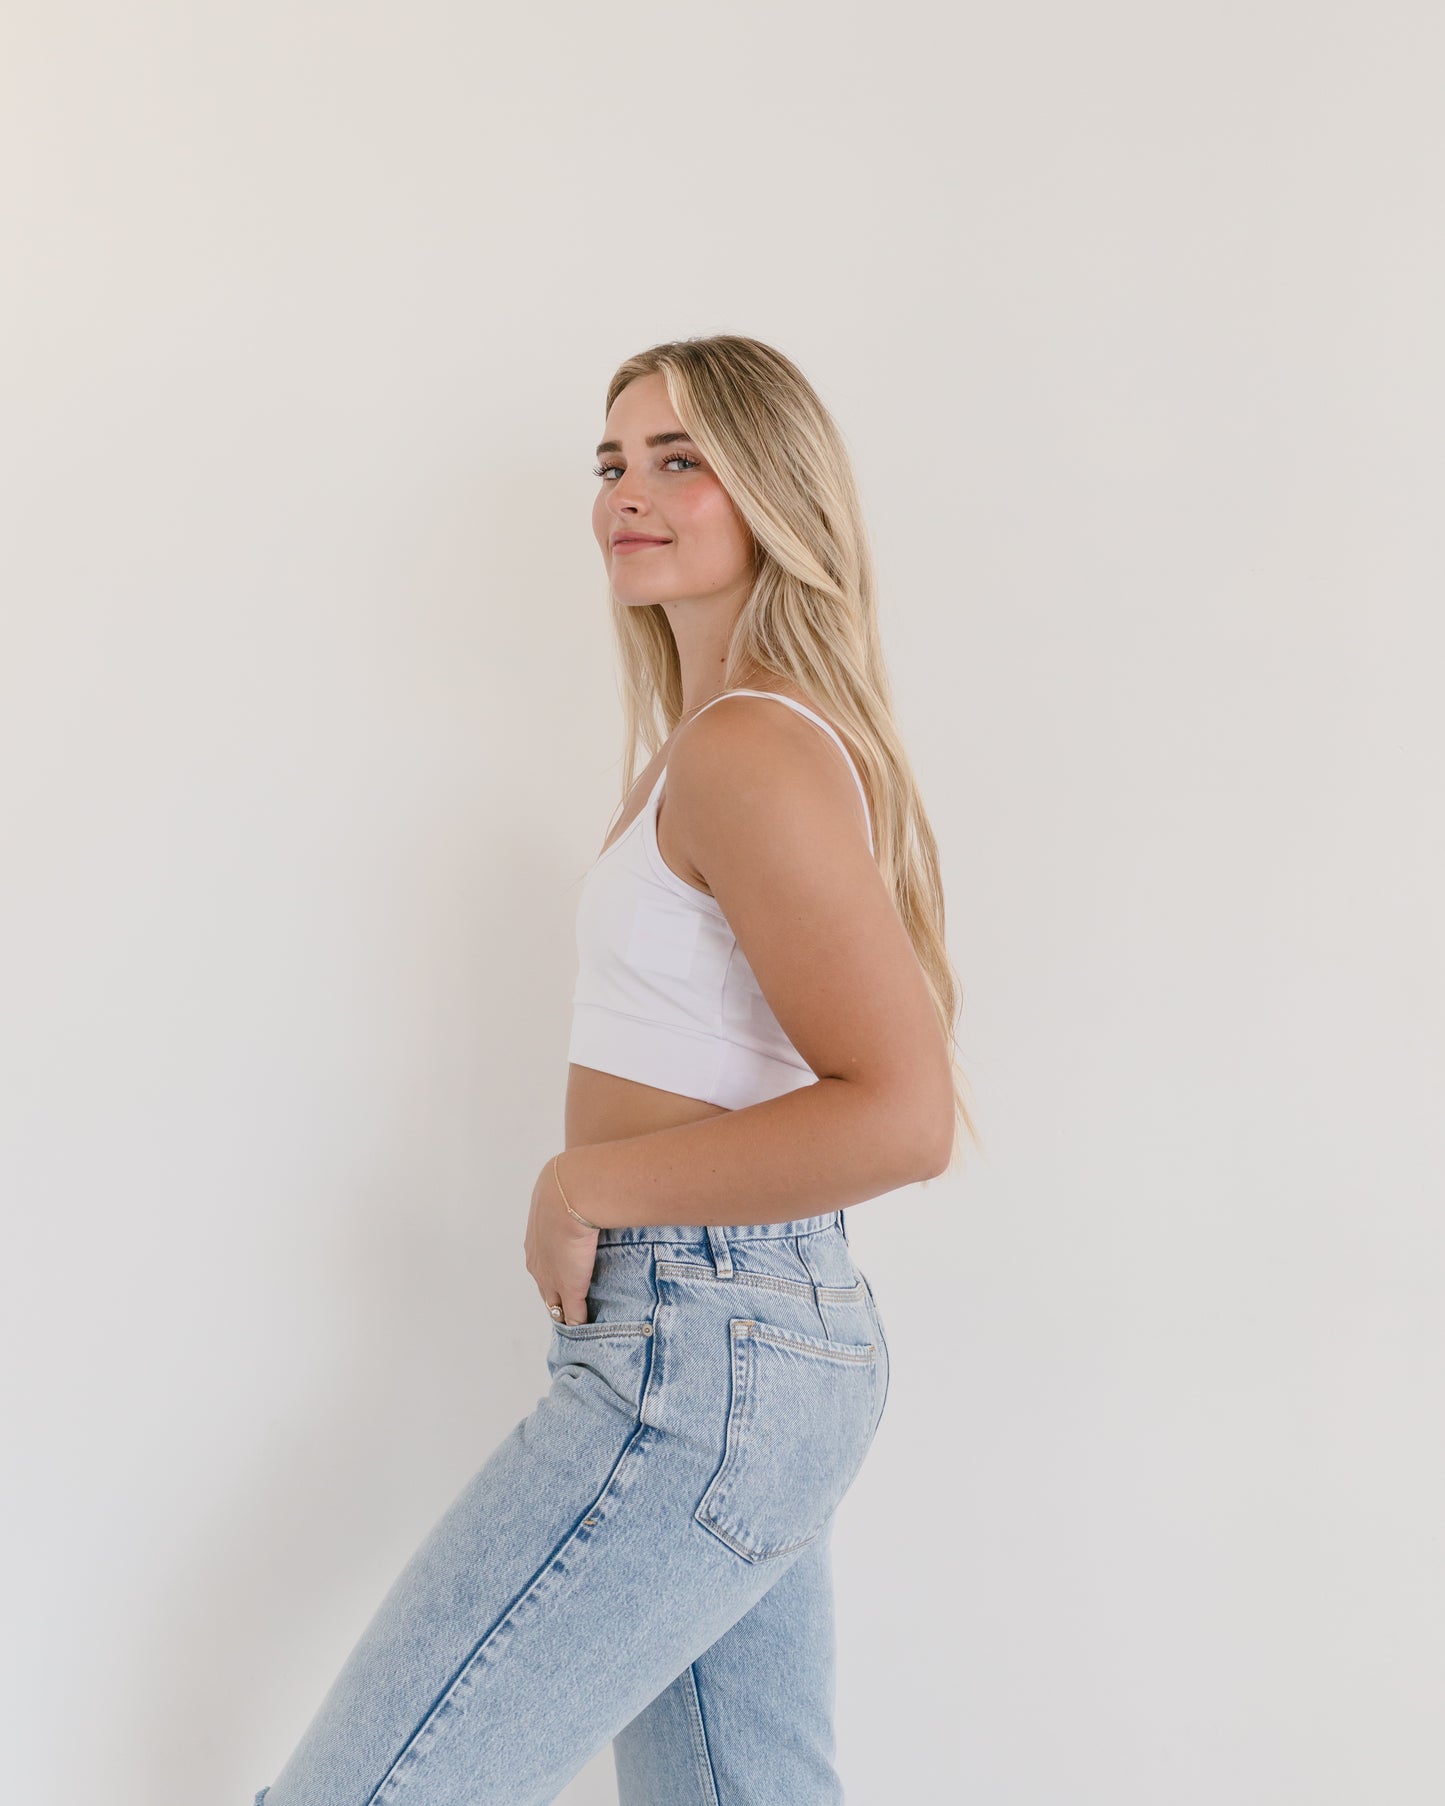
x: 602, y: 1328
x: 797, y: 1288
x: 745, y: 1334
x: 822, y: 1348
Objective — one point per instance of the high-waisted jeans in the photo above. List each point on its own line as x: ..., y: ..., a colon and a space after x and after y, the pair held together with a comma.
x: 643, y: 1559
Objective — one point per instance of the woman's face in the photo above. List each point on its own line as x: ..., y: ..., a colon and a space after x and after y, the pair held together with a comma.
x: 666, y: 492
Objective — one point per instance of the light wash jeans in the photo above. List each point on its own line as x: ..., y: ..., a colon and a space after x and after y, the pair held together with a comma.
x: 643, y: 1559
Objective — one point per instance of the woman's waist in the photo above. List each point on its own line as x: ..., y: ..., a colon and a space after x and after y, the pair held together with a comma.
x: 604, y: 1106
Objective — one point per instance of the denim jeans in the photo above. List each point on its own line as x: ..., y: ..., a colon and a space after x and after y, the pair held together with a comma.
x: 643, y: 1559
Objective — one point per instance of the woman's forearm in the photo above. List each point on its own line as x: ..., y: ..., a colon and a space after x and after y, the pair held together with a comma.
x: 827, y: 1145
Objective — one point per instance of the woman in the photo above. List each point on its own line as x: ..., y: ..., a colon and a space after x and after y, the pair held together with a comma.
x: 762, y: 1036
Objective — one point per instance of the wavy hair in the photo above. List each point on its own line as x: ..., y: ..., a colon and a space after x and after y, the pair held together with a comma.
x: 811, y: 617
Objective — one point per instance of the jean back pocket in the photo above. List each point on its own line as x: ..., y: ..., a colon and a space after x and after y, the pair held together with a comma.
x: 800, y: 1419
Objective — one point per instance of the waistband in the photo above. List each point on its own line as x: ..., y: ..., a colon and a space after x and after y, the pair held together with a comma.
x: 710, y: 1234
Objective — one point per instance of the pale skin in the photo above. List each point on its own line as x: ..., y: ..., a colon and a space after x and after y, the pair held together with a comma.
x: 760, y: 811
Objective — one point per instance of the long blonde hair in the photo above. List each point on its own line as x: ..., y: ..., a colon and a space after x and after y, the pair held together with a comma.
x: 811, y: 617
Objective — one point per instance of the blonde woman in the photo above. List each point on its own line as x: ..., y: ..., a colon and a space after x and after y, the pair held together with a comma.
x: 762, y: 1037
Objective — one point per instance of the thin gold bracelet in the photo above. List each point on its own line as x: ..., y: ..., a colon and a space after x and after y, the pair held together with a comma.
x: 557, y: 1177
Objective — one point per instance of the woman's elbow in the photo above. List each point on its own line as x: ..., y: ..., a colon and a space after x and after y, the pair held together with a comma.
x: 935, y: 1150
x: 921, y: 1132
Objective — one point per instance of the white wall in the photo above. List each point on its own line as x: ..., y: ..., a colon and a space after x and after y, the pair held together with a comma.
x: 308, y: 730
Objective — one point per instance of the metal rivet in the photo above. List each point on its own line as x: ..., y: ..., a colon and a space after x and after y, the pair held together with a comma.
x: 647, y: 1329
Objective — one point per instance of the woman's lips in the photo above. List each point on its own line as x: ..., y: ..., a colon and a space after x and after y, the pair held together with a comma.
x: 637, y: 545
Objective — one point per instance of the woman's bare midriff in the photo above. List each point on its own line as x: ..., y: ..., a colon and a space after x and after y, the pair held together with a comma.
x: 603, y: 1107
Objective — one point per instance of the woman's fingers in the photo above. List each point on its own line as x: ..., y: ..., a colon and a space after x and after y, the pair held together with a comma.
x: 561, y: 1256
x: 574, y: 1303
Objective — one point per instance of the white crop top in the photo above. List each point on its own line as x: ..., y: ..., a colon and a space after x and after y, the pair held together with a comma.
x: 664, y: 994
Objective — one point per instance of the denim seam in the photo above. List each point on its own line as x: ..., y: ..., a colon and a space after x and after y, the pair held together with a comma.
x: 707, y: 1775
x: 654, y: 1378
x: 819, y: 1291
x: 833, y: 1351
x: 602, y: 1327
x: 741, y: 1405
x: 746, y: 1551
x: 799, y: 1288
x: 411, y: 1754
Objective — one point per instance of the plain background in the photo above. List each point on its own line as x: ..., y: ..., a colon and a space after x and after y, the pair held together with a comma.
x: 309, y: 728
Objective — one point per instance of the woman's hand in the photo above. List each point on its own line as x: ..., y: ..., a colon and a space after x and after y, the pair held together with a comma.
x: 561, y: 1252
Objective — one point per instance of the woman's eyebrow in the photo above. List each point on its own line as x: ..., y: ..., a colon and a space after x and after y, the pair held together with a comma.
x: 612, y: 445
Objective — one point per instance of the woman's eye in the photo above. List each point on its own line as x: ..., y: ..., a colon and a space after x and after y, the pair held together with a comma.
x: 601, y: 470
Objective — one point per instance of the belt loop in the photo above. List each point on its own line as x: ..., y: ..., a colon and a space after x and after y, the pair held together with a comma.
x: 843, y: 1222
x: 722, y: 1257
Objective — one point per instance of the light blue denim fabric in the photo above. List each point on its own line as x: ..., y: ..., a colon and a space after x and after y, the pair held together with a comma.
x: 643, y: 1559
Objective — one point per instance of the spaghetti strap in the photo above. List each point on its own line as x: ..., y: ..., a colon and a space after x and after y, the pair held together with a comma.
x: 831, y: 732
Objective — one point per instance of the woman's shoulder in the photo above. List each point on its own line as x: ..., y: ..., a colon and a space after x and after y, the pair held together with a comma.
x: 748, y: 719
x: 744, y: 739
